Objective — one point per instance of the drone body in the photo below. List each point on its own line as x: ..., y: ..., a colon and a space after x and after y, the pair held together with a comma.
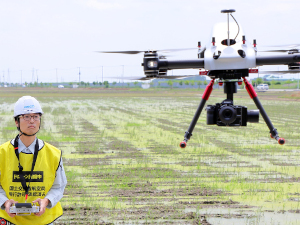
x: 228, y: 57
x: 219, y: 55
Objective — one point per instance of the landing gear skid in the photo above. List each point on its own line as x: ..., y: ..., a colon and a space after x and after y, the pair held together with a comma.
x: 252, y: 94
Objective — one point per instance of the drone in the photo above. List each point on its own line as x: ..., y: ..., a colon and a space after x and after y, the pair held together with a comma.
x: 228, y: 59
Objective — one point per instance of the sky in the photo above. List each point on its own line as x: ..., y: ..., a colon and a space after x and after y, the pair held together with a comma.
x: 55, y: 41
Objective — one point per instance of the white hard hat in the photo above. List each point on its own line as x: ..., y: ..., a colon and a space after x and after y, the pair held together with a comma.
x: 26, y: 105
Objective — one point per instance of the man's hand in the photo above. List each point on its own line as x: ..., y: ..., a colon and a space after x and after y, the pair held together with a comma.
x: 7, y: 206
x: 43, y: 203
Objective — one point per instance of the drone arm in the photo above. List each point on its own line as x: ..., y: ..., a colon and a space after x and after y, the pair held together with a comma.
x: 277, y: 59
x: 253, y: 95
x: 153, y: 65
x: 181, y: 64
x: 205, y: 97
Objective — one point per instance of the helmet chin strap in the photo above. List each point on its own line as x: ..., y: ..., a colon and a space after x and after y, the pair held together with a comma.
x: 26, y: 134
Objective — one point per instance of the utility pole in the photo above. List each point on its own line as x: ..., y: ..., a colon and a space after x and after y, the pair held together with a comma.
x: 37, y: 78
x: 123, y: 76
x: 79, y: 73
x: 32, y: 79
x: 8, y: 80
x: 102, y: 74
x: 56, y: 76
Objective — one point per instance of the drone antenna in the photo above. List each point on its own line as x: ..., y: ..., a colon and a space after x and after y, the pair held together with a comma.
x: 237, y: 25
x: 228, y: 11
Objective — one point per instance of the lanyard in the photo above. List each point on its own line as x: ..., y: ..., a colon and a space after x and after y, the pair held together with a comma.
x: 22, y: 179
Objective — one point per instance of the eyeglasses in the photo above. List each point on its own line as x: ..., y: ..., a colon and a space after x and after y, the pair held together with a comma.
x: 28, y: 117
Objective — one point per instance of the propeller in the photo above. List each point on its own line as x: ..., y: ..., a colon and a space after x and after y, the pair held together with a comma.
x: 279, y: 72
x: 291, y: 51
x: 137, y: 52
x: 294, y: 48
x: 121, y: 52
x: 154, y: 77
x: 285, y: 46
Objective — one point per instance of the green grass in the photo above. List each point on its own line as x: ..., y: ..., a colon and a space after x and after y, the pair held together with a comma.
x: 10, y: 128
x: 123, y: 162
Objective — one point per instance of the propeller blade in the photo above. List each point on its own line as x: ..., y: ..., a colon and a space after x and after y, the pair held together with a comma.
x: 121, y: 52
x: 293, y: 48
x: 127, y: 78
x: 285, y: 46
x: 137, y: 52
x: 281, y: 50
x: 291, y: 51
x: 154, y: 77
x: 165, y: 77
x: 279, y: 72
x: 174, y: 77
x: 175, y: 50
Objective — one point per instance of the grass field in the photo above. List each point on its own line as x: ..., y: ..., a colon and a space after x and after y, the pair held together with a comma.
x: 124, y: 165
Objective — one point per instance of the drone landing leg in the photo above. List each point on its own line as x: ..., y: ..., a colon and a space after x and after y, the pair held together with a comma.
x: 253, y: 95
x: 205, y: 97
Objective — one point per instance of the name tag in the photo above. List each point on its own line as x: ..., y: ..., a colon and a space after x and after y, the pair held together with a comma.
x: 36, y: 176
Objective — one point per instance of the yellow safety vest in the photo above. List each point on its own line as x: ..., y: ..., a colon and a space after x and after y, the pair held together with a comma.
x: 42, y: 179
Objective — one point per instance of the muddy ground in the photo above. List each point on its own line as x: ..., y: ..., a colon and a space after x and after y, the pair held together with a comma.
x: 124, y: 165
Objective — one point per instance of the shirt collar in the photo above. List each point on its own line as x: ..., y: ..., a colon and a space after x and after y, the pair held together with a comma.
x: 31, y: 148
x: 22, y: 147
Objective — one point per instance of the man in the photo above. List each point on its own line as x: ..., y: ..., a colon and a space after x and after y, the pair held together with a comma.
x: 30, y: 170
